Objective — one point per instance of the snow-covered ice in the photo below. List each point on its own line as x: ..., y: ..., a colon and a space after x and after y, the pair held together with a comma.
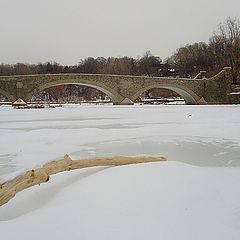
x: 194, y: 195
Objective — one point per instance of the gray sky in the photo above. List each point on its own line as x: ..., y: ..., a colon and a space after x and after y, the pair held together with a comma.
x: 65, y: 31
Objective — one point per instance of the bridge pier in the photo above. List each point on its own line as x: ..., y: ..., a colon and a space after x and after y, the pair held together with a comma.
x: 20, y: 91
x: 126, y: 101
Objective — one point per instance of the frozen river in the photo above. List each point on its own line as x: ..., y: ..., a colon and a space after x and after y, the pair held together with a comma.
x: 198, y: 135
x: 166, y: 200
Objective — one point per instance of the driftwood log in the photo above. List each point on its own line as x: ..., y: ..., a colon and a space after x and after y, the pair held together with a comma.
x: 40, y: 175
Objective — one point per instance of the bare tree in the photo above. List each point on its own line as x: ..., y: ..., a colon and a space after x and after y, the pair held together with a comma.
x: 228, y: 36
x: 191, y: 59
x: 149, y: 64
x: 56, y: 92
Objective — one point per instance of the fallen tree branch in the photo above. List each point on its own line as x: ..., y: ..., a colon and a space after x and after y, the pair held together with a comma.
x: 40, y: 175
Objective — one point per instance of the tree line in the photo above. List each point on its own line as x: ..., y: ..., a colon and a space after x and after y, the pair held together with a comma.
x: 148, y: 64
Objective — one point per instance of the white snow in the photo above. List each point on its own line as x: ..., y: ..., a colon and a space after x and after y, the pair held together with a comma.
x: 170, y: 200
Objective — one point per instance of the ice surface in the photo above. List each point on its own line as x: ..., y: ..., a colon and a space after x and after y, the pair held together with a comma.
x: 33, y: 136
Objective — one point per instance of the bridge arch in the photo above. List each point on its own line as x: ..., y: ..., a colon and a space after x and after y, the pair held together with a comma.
x: 109, y: 92
x: 189, y: 96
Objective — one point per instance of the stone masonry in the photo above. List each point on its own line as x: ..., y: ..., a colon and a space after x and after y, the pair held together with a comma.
x: 123, y: 89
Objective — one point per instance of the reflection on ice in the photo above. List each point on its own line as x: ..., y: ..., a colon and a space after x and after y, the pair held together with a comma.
x: 195, y: 151
x: 6, y: 164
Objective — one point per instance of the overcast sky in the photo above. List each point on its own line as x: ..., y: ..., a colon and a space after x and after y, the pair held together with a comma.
x: 65, y: 31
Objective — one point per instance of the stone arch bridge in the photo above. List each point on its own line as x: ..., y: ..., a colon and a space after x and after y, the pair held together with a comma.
x: 123, y: 89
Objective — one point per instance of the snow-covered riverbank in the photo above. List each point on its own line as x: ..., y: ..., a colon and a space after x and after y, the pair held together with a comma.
x: 171, y: 200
